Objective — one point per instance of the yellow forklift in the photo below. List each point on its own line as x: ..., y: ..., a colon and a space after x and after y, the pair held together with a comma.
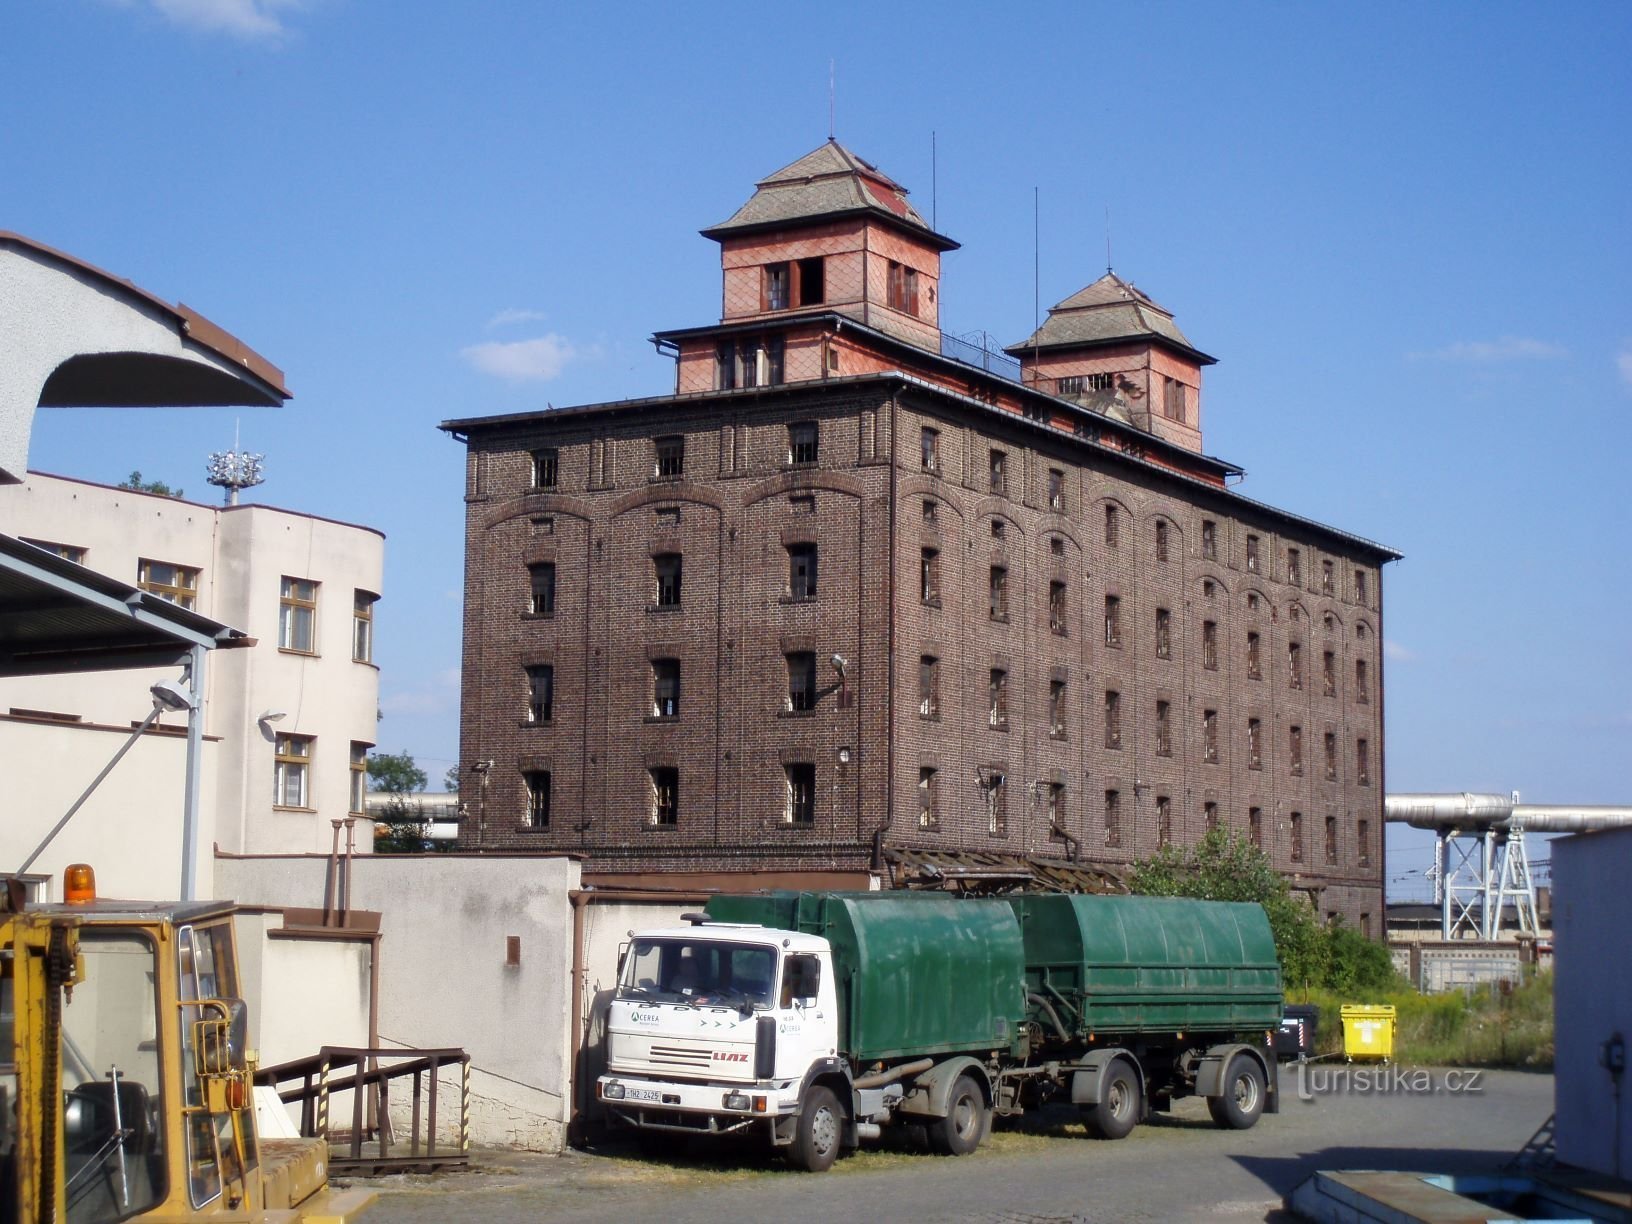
x: 125, y: 1081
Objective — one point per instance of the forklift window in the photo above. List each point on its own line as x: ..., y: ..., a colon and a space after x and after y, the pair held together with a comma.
x: 207, y: 971
x: 113, y: 1115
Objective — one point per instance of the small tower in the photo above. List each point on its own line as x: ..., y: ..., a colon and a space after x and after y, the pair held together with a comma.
x: 1112, y: 349
x: 828, y: 235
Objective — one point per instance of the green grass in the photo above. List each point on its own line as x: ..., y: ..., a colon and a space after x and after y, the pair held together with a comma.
x: 1484, y: 1029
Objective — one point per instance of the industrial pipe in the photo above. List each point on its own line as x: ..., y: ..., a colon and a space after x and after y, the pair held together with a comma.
x: 1474, y: 812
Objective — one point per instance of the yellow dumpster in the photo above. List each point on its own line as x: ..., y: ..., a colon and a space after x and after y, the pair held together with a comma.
x: 1368, y: 1030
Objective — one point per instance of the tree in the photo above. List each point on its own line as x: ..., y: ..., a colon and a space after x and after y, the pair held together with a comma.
x: 1223, y: 867
x: 450, y: 780
x: 136, y: 484
x: 395, y: 775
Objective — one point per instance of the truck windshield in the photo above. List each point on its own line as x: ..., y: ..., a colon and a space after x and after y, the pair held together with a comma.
x: 699, y: 971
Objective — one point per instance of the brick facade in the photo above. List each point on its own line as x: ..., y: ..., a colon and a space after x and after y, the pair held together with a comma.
x: 806, y: 729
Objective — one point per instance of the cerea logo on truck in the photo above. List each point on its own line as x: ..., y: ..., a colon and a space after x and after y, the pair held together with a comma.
x: 727, y: 1056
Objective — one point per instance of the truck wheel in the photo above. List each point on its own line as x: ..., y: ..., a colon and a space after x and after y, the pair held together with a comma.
x: 1242, y: 1101
x: 1118, y: 1110
x: 821, y: 1127
x: 966, y: 1121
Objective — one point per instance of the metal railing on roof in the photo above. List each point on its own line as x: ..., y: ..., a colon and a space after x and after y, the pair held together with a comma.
x: 981, y: 355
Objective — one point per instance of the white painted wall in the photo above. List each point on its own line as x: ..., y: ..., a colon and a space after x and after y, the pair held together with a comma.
x: 444, y: 922
x: 129, y: 830
x: 1592, y: 998
x: 242, y: 554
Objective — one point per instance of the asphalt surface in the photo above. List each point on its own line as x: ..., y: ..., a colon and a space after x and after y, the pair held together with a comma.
x: 1177, y: 1167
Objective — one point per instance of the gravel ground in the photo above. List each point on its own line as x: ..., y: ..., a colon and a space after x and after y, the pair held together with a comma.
x: 1178, y: 1167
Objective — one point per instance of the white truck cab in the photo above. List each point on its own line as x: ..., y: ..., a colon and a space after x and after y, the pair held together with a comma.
x: 718, y: 1027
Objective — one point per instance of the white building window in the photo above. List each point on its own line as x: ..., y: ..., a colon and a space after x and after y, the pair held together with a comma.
x: 359, y: 778
x: 291, y: 781
x: 177, y: 583
x: 362, y: 627
x: 297, y: 616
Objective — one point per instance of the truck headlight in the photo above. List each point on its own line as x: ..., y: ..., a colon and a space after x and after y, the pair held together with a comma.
x: 736, y: 1100
x: 612, y: 1091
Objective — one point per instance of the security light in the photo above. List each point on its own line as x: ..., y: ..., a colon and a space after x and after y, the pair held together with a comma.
x: 169, y: 695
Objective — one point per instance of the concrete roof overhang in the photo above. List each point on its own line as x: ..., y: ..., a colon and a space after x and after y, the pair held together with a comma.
x: 79, y: 337
x: 56, y: 616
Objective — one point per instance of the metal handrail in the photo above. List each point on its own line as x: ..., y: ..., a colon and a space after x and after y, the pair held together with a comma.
x: 367, y: 1073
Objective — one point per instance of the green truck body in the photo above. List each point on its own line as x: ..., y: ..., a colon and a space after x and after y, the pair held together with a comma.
x: 1108, y: 964
x: 917, y: 973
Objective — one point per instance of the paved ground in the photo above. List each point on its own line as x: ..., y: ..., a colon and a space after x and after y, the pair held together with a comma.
x: 1176, y: 1168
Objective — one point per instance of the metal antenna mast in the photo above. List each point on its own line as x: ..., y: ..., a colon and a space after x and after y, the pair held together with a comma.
x: 830, y: 93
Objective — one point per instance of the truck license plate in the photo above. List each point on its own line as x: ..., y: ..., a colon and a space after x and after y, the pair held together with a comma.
x: 643, y: 1094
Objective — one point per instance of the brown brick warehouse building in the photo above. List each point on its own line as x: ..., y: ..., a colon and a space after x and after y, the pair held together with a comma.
x: 857, y: 595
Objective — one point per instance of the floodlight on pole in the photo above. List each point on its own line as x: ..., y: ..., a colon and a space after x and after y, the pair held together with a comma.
x: 235, y: 469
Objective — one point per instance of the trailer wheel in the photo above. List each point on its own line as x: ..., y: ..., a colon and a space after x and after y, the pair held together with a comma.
x: 1118, y: 1110
x: 821, y: 1127
x: 1241, y: 1103
x: 966, y: 1123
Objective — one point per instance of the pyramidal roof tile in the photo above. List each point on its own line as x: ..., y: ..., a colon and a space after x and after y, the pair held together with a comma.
x: 827, y: 181
x: 1108, y: 311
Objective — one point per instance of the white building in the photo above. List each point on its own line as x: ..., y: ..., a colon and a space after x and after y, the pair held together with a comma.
x: 287, y: 722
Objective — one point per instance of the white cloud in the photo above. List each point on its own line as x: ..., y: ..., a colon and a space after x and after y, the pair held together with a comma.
x: 536, y: 360
x: 509, y: 318
x: 438, y: 694
x: 1623, y: 362
x: 1395, y: 653
x: 1507, y: 348
x: 248, y: 19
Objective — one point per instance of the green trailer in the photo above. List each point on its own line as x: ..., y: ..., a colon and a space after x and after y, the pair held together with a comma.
x: 1102, y: 966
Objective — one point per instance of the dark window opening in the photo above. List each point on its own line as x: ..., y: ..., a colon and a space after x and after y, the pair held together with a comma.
x: 812, y: 281
x: 801, y: 779
x: 537, y: 782
x: 801, y: 681
x: 665, y: 808
x: 540, y: 693
x: 665, y: 688
x: 667, y: 568
x: 802, y: 571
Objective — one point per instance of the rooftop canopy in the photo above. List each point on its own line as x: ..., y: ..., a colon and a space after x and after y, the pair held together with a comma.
x: 78, y: 337
x: 56, y: 616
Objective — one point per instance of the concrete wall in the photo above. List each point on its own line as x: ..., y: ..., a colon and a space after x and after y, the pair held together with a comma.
x: 1592, y: 998
x: 303, y: 993
x: 444, y: 923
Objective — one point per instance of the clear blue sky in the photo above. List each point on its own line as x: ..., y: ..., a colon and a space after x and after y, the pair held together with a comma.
x: 1403, y: 230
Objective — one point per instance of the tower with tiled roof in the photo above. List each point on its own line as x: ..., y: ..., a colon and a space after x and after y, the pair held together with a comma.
x: 1113, y: 349
x: 828, y: 235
